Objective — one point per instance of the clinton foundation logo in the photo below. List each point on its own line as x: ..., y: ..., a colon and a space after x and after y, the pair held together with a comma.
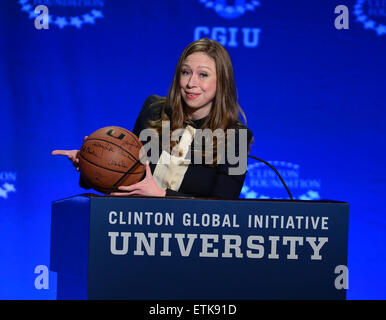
x: 230, y: 36
x: 7, y: 184
x: 64, y: 13
x: 372, y: 14
x: 227, y: 11
x: 263, y: 183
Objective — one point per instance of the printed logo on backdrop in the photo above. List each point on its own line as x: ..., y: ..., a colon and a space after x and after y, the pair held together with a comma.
x: 262, y: 182
x: 372, y: 14
x: 227, y: 11
x: 7, y: 184
x: 66, y: 13
x: 230, y: 36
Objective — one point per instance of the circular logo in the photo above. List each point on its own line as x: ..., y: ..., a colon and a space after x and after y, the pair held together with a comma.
x: 7, y: 183
x: 372, y: 14
x: 263, y: 183
x: 67, y: 13
x: 228, y: 11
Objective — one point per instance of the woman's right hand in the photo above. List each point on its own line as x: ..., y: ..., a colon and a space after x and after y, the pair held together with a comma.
x: 72, y: 155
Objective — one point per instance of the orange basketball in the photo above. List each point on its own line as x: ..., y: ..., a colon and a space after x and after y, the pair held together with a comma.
x: 109, y: 156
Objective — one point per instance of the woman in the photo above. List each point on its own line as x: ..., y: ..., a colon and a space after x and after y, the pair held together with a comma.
x: 202, y: 96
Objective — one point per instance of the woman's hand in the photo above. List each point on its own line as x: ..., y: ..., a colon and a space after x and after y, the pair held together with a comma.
x: 72, y: 155
x: 146, y: 187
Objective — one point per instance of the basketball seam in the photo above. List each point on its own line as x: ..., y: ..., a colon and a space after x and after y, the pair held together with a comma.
x: 107, y: 168
x: 133, y: 158
x: 133, y: 135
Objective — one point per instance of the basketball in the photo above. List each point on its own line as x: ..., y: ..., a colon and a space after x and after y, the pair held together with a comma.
x: 109, y: 158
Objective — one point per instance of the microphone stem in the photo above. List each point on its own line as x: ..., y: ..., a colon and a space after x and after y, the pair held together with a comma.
x: 273, y: 168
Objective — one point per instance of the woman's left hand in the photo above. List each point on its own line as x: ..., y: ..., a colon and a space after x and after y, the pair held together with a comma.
x: 146, y: 187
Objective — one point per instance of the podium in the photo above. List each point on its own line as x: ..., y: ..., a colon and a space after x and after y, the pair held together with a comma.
x: 198, y: 249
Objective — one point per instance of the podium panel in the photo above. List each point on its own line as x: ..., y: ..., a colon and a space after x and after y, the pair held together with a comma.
x: 173, y: 248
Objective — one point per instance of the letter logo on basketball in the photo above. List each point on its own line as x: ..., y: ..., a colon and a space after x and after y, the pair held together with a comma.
x: 110, y: 133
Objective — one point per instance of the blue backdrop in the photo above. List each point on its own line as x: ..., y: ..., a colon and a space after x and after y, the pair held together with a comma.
x: 314, y: 97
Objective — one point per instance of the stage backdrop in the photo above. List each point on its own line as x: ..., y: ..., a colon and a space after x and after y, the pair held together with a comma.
x: 314, y: 97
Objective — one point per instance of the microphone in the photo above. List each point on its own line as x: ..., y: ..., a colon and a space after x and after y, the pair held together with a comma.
x: 273, y: 168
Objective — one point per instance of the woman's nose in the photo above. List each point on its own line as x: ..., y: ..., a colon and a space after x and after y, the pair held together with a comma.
x: 192, y: 81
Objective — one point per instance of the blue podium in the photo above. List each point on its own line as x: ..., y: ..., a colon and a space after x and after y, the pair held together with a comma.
x: 198, y: 249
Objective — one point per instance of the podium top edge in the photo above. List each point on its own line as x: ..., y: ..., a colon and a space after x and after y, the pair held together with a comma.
x: 93, y: 195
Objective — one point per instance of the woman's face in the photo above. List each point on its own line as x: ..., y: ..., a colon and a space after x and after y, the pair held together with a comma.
x: 198, y: 84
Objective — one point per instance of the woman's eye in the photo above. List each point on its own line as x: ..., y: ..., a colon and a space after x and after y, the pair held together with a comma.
x: 203, y: 75
x: 185, y: 72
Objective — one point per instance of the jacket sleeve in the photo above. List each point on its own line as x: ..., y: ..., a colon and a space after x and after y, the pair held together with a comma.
x: 172, y: 193
x: 230, y: 176
x: 83, y: 183
x: 147, y: 113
